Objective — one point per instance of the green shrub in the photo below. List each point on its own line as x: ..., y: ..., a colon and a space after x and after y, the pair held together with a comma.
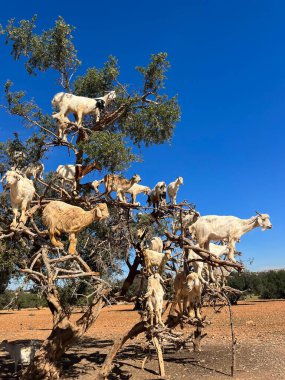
x: 266, y: 285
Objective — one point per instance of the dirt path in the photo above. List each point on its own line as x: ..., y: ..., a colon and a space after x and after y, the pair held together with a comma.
x: 259, y: 327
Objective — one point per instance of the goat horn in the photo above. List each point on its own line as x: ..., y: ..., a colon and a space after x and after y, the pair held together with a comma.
x: 258, y: 213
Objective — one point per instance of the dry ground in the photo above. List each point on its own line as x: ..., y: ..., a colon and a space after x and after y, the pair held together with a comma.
x: 259, y: 327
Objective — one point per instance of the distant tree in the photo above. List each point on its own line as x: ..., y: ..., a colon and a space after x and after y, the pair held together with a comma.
x: 266, y: 285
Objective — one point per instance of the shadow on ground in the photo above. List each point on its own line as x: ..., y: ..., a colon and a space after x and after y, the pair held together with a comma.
x: 86, y: 357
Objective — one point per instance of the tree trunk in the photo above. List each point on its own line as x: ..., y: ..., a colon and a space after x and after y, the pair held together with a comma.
x: 131, y: 276
x: 63, y: 335
x: 118, y: 344
x: 44, y: 365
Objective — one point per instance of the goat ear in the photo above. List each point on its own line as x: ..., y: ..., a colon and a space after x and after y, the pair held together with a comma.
x: 197, y: 282
x: 98, y: 212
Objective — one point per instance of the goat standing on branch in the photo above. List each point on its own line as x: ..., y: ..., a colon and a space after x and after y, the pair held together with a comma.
x: 157, y: 196
x: 156, y: 244
x: 33, y: 170
x: 95, y: 184
x: 230, y: 228
x: 172, y: 189
x: 154, y: 299
x: 188, y: 218
x: 155, y: 259
x: 135, y: 190
x: 188, y: 290
x: 61, y: 217
x: 114, y: 182
x: 199, y: 265
x: 74, y: 173
x: 79, y: 106
x: 22, y: 192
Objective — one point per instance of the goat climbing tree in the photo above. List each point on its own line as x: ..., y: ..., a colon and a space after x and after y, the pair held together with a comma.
x: 141, y: 115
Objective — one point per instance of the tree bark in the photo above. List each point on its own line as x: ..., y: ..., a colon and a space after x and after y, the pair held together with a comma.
x: 118, y: 344
x: 63, y: 335
x: 131, y: 276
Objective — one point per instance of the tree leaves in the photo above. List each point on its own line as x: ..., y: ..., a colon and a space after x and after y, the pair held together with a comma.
x: 97, y: 81
x: 110, y: 149
x: 141, y: 114
x: 154, y: 73
x: 53, y: 49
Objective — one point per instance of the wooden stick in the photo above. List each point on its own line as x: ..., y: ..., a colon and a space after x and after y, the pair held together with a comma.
x: 160, y: 356
x: 118, y: 344
x: 234, y: 339
x: 96, y: 274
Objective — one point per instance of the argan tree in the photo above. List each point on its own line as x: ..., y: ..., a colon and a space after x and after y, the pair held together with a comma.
x: 141, y: 115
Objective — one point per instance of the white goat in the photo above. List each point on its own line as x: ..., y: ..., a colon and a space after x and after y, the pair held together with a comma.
x: 22, y: 192
x: 72, y: 173
x: 155, y: 259
x: 156, y: 244
x: 188, y: 218
x: 157, y: 195
x: 95, y: 184
x: 231, y: 228
x: 154, y: 298
x: 33, y: 170
x: 135, y: 190
x: 79, y: 106
x: 188, y: 290
x: 19, y: 353
x: 200, y: 266
x: 18, y: 156
x: 172, y: 189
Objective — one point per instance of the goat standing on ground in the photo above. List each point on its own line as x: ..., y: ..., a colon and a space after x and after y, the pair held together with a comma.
x: 19, y: 353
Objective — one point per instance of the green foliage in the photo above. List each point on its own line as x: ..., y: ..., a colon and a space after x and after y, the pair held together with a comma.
x: 29, y: 111
x: 151, y: 123
x: 154, y: 73
x: 51, y: 49
x: 141, y: 114
x: 96, y: 81
x: 266, y: 285
x: 22, y: 300
x: 110, y: 149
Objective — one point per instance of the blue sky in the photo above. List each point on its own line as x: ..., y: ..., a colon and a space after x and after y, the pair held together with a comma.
x: 227, y: 61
